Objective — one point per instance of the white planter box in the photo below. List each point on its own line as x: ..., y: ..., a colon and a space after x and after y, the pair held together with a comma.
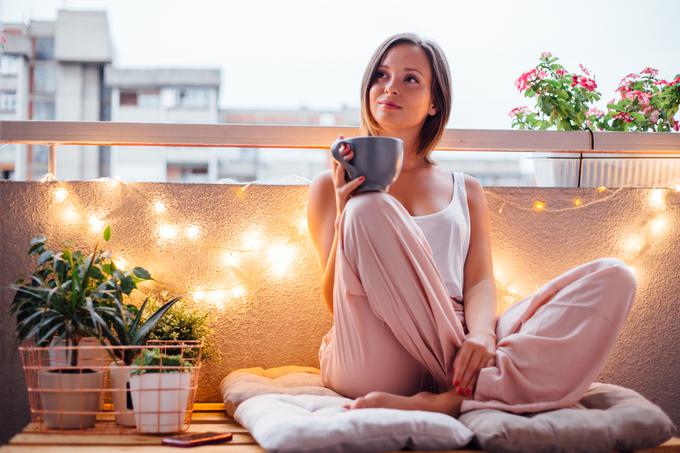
x: 120, y: 376
x: 160, y: 401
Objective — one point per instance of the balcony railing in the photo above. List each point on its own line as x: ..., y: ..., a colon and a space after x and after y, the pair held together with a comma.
x: 582, y: 149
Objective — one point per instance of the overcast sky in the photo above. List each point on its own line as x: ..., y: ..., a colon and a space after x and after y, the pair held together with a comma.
x: 288, y: 54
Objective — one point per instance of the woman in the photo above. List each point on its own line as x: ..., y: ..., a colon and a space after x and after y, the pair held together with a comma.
x: 408, y: 275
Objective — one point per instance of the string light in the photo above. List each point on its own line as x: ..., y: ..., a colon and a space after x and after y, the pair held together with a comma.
x: 96, y: 224
x: 253, y: 240
x: 281, y: 256
x: 167, y: 232
x: 601, y: 189
x: 60, y: 194
x: 193, y: 232
x: 577, y: 202
x: 539, y: 205
x: 657, y: 198
x: 70, y: 215
x: 159, y: 207
x: 658, y: 225
x: 676, y: 187
x: 121, y: 263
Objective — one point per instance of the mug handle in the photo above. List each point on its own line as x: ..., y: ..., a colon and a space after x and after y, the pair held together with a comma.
x: 351, y: 171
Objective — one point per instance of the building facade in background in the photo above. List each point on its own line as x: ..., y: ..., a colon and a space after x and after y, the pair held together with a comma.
x: 64, y: 70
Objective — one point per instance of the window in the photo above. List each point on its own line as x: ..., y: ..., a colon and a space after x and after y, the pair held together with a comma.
x: 44, y: 77
x: 128, y: 98
x: 9, y: 65
x: 8, y: 101
x: 148, y: 99
x: 187, y: 172
x: 43, y: 110
x: 186, y: 98
x: 44, y: 48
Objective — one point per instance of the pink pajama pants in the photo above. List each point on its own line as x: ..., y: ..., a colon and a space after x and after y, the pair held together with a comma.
x: 395, y: 329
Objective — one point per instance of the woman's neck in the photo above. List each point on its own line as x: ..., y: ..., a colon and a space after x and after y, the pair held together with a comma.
x: 410, y: 137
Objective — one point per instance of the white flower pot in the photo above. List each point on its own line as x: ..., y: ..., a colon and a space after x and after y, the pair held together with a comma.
x: 120, y: 376
x: 160, y: 401
x: 71, y: 400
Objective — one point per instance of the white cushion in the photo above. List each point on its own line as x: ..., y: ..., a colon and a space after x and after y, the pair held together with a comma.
x: 307, y: 423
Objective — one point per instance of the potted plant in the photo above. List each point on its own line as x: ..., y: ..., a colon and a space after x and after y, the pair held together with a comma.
x: 124, y: 326
x: 54, y: 307
x: 161, y: 386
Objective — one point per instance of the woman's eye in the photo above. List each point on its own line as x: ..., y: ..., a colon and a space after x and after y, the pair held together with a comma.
x: 411, y: 78
x: 379, y: 74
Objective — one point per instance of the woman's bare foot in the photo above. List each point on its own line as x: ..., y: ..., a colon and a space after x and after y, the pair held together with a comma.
x: 447, y: 403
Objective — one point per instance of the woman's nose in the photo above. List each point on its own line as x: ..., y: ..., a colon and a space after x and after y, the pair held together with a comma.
x: 390, y: 88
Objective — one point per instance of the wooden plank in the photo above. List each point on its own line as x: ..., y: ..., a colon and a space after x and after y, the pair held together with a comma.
x: 137, y: 439
x: 226, y: 447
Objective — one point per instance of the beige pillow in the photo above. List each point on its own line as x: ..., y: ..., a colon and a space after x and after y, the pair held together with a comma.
x: 611, y: 418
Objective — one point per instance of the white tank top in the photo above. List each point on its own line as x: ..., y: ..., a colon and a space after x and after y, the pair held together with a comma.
x: 448, y: 233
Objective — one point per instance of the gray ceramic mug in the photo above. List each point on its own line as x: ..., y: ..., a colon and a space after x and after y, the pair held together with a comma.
x: 379, y: 159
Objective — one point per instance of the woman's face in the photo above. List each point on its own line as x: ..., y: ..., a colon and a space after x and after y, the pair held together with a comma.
x: 400, y: 95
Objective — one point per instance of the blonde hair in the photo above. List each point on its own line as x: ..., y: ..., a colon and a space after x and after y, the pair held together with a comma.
x: 434, y: 125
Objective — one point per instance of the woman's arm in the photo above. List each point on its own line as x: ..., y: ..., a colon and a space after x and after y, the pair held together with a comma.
x: 479, y: 295
x: 479, y: 286
x: 322, y: 224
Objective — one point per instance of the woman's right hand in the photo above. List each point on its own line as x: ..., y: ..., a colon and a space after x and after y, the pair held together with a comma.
x: 343, y: 190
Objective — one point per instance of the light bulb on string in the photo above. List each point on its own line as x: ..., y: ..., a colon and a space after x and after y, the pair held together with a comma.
x: 658, y: 225
x: 657, y: 198
x: 60, y: 194
x: 167, y: 231
x: 601, y: 189
x: 159, y: 207
x: 70, y: 214
x: 539, y: 205
x: 193, y: 232
x: 96, y: 224
x: 577, y: 202
x: 281, y: 257
x: 253, y: 240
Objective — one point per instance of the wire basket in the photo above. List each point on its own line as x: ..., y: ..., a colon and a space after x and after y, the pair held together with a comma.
x: 103, y: 394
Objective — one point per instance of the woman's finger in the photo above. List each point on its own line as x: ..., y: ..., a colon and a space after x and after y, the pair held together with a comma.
x: 462, y: 359
x: 473, y: 368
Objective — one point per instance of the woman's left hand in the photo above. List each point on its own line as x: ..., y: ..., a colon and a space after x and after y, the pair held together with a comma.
x: 477, y: 352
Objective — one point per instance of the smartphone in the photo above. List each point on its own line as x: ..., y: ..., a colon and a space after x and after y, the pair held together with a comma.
x: 194, y: 439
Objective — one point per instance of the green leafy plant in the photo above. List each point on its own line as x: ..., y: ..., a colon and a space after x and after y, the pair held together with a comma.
x: 183, y: 322
x: 65, y: 288
x: 565, y: 100
x: 156, y: 361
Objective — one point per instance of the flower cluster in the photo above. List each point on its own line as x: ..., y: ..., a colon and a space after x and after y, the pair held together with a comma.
x: 564, y: 100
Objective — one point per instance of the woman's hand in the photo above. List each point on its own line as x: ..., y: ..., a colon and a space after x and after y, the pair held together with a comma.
x: 477, y: 352
x: 343, y: 189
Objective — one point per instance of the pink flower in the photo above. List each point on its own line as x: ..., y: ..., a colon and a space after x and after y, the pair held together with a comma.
x: 594, y: 111
x: 545, y: 55
x: 642, y: 96
x: 517, y: 111
x: 676, y: 125
x: 560, y: 72
x: 662, y: 82
x: 585, y: 82
x: 650, y: 71
x: 675, y: 81
x: 584, y: 69
x: 654, y: 117
x: 624, y: 116
x: 524, y: 81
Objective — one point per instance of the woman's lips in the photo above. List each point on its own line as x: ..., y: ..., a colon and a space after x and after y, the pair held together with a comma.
x: 389, y: 105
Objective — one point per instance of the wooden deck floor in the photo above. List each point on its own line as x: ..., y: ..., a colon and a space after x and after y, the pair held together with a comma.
x: 206, y: 419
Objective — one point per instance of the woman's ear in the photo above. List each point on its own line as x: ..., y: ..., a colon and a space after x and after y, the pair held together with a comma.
x: 433, y: 110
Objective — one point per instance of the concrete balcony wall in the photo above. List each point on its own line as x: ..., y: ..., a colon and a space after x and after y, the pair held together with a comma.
x: 282, y: 318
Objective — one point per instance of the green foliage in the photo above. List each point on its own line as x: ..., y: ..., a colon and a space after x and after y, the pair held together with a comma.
x: 156, y: 361
x: 183, y: 322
